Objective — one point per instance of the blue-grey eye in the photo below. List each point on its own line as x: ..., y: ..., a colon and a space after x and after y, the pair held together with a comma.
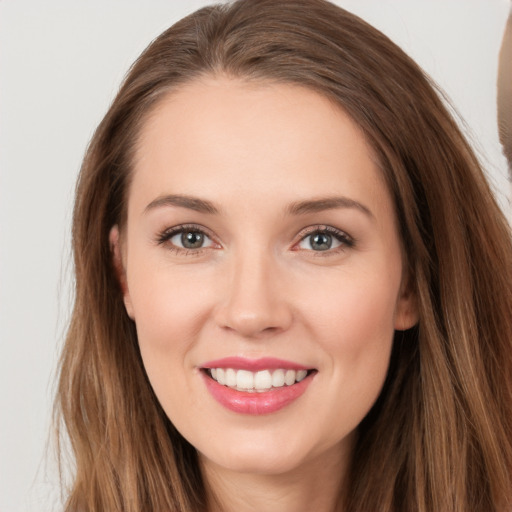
x: 319, y: 241
x: 189, y: 239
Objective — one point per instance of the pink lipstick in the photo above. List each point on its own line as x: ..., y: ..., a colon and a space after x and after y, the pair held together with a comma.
x: 255, y: 386
x: 253, y: 365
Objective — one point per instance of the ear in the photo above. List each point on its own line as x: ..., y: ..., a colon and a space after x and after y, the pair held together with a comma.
x: 117, y: 259
x: 406, y: 314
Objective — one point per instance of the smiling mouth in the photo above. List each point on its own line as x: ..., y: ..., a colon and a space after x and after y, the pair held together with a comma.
x: 256, y: 382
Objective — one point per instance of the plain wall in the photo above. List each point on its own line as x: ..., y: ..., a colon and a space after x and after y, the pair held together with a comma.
x: 61, y: 63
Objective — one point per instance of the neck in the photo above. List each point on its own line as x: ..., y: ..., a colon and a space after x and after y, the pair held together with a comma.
x: 316, y: 485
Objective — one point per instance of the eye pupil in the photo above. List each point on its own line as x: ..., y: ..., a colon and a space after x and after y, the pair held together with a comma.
x: 321, y: 241
x: 192, y: 239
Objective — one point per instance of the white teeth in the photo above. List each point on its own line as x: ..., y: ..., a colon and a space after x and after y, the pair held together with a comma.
x: 263, y: 380
x: 221, y: 378
x: 244, y: 380
x: 278, y: 379
x: 301, y: 375
x: 231, y: 378
x: 289, y: 377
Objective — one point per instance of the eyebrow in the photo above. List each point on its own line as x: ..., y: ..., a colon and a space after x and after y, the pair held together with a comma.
x: 182, y: 201
x: 326, y: 203
x: 296, y: 208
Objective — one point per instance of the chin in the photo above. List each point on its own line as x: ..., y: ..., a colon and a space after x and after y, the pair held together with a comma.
x: 265, y: 453
x: 253, y: 460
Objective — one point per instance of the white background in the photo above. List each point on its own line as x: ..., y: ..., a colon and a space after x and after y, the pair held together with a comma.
x: 60, y: 66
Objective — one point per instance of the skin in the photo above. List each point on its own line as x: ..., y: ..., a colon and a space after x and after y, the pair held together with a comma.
x: 258, y: 288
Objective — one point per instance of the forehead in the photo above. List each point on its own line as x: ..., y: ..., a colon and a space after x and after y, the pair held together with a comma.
x: 228, y: 137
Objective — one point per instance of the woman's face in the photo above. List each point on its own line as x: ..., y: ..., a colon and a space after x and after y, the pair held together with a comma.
x: 263, y: 269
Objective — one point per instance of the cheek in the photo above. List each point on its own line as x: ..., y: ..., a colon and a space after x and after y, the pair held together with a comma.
x: 354, y: 324
x: 169, y: 311
x: 355, y: 310
x: 167, y: 305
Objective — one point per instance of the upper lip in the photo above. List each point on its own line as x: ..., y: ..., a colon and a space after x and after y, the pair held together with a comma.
x: 254, y: 365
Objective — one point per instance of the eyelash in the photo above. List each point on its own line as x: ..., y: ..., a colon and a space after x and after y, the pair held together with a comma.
x: 345, y: 240
x: 168, y: 234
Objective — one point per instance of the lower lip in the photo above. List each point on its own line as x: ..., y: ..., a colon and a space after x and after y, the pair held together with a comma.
x: 256, y: 403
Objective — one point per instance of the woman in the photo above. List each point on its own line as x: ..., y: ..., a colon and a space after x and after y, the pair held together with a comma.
x: 293, y: 285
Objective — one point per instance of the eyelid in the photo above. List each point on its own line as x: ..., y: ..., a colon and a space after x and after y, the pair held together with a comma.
x: 346, y: 240
x: 165, y: 236
x: 343, y: 237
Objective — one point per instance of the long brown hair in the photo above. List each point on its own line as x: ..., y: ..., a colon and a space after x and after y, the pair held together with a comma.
x: 439, y: 436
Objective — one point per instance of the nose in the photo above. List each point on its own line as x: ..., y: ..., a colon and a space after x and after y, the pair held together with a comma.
x: 255, y: 303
